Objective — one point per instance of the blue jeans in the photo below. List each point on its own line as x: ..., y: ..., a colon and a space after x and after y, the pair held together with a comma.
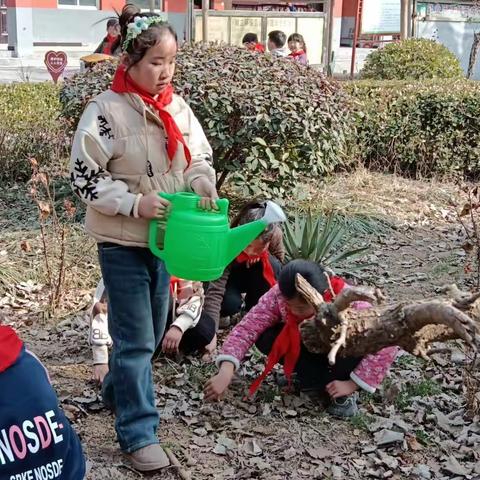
x: 137, y: 286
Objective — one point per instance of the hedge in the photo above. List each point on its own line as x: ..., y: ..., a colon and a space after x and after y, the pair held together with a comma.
x: 30, y: 127
x: 428, y: 128
x: 268, y: 120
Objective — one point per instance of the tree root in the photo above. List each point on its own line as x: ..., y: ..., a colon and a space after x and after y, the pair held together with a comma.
x: 412, y: 327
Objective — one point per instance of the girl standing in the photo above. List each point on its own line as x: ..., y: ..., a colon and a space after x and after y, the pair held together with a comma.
x: 273, y: 326
x: 132, y: 142
x: 298, y: 50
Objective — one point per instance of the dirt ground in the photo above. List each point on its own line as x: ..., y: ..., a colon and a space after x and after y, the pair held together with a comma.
x: 276, y: 436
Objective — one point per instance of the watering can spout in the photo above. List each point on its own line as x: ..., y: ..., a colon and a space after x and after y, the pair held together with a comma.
x: 240, y: 237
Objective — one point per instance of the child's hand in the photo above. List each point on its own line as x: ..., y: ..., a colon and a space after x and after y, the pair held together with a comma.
x: 341, y: 388
x: 171, y: 340
x: 99, y: 372
x: 152, y: 206
x: 201, y: 186
x: 218, y: 384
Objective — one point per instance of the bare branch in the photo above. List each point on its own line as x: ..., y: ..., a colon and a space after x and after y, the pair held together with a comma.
x: 310, y: 294
x: 340, y: 342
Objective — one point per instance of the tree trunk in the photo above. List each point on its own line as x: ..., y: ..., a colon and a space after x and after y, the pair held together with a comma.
x: 473, y: 54
x: 338, y: 328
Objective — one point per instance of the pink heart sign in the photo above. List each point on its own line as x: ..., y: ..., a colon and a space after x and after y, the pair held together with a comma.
x: 56, y: 63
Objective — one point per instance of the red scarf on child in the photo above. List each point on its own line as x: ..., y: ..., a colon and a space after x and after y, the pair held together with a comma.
x: 288, y: 343
x: 264, y: 258
x: 123, y: 83
x: 108, y: 44
x: 297, y: 54
x: 10, y: 347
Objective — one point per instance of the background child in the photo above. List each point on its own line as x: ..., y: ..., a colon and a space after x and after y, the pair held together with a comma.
x: 276, y: 43
x: 252, y: 273
x: 111, y: 44
x: 250, y: 41
x: 36, y: 435
x: 133, y: 141
x: 298, y: 50
x: 187, y: 329
x: 273, y: 326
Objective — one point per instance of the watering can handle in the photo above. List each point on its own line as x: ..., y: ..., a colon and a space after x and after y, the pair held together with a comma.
x: 153, y: 229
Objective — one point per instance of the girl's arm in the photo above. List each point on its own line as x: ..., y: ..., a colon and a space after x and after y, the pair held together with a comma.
x: 214, y: 297
x: 262, y: 316
x: 98, y: 336
x: 371, y: 371
x: 93, y: 147
x: 188, y: 313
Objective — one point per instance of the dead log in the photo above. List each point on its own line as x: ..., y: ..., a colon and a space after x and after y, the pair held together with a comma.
x: 339, y: 329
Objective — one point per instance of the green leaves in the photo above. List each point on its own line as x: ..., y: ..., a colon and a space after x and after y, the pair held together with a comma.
x: 30, y: 127
x: 418, y: 128
x: 268, y: 120
x: 325, y: 240
x: 412, y: 59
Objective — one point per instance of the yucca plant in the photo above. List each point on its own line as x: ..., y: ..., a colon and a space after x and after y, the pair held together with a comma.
x: 324, y: 239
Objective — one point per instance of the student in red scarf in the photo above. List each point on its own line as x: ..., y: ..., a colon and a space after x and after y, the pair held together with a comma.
x: 251, y: 274
x: 250, y: 42
x: 298, y: 50
x: 272, y: 325
x: 110, y: 45
x: 132, y: 142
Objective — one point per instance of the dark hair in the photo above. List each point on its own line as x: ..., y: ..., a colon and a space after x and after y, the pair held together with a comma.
x: 250, y: 37
x: 296, y: 37
x: 112, y: 22
x: 312, y: 272
x: 148, y: 38
x: 278, y: 38
x: 251, y: 211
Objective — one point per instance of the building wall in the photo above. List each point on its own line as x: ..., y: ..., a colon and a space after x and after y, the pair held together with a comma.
x: 33, y: 22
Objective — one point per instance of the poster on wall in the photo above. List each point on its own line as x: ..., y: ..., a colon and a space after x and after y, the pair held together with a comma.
x: 453, y: 12
x: 239, y: 26
x: 380, y: 16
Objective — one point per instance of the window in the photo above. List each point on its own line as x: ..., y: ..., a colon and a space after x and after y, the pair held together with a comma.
x: 77, y: 3
x: 147, y: 4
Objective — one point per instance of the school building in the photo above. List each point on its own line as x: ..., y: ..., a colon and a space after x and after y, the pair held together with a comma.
x: 60, y: 24
x: 29, y: 25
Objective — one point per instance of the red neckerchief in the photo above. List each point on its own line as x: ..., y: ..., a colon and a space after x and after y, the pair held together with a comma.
x: 297, y: 54
x: 108, y: 44
x: 264, y: 257
x: 259, y: 48
x: 288, y: 343
x: 10, y: 347
x: 122, y: 83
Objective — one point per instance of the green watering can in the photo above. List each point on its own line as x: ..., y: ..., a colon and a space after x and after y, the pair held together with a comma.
x: 199, y: 244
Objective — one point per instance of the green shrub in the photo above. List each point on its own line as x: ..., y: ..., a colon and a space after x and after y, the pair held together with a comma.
x: 413, y: 59
x: 415, y: 129
x: 268, y: 120
x: 29, y: 127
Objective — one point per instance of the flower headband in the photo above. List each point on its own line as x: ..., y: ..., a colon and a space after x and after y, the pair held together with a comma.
x: 139, y: 25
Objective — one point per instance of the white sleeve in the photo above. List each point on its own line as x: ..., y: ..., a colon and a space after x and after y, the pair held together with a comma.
x: 92, y: 149
x: 189, y: 313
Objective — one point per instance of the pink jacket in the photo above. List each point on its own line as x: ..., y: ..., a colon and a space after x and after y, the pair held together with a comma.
x: 270, y: 310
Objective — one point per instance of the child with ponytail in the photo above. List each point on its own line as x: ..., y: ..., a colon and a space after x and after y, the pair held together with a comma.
x: 133, y: 141
x: 272, y: 325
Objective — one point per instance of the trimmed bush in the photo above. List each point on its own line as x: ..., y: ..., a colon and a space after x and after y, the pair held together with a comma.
x: 418, y: 129
x: 413, y: 59
x: 269, y: 120
x: 30, y: 127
